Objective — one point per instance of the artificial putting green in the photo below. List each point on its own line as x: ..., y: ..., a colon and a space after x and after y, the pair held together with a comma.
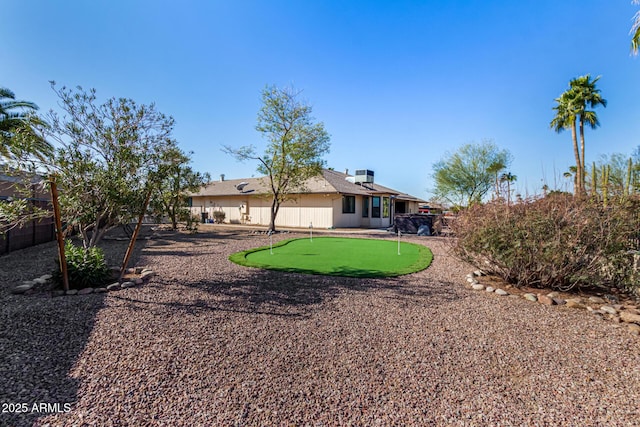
x: 339, y: 256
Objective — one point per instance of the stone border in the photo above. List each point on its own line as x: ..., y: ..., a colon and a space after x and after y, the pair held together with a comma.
x: 607, y: 308
x: 26, y: 288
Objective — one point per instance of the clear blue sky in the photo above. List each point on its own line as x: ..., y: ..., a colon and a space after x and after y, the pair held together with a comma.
x: 397, y: 83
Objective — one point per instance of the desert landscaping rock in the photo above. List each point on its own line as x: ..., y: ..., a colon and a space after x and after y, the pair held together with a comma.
x: 21, y: 289
x: 612, y: 299
x: 627, y: 316
x: 85, y: 291
x: 100, y: 290
x: 597, y: 300
x: 147, y: 274
x: 530, y: 297
x: 126, y: 285
x: 544, y: 299
x: 212, y: 343
x: 571, y: 303
x: 501, y: 292
x: 634, y: 329
x: 559, y: 301
x: 477, y: 287
x: 490, y: 289
x: 114, y: 287
x: 553, y: 294
x: 608, y: 309
x: 72, y: 292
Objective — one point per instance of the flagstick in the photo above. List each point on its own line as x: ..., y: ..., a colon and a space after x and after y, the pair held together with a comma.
x: 398, y: 241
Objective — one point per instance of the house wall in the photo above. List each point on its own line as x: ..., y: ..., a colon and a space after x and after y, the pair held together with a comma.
x: 307, y: 209
x: 321, y: 210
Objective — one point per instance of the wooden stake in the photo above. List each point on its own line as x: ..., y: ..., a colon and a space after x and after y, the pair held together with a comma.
x: 60, y: 238
x: 132, y: 242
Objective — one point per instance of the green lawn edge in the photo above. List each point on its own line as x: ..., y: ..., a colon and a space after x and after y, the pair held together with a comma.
x: 425, y: 257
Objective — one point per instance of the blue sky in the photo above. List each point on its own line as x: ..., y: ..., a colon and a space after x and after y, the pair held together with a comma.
x: 398, y: 84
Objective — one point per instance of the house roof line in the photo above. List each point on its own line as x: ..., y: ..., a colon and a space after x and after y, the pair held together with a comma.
x: 330, y: 181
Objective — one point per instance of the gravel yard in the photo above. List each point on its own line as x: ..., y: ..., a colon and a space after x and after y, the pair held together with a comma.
x: 208, y: 342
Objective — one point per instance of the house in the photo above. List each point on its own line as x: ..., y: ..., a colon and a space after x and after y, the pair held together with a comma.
x: 330, y: 200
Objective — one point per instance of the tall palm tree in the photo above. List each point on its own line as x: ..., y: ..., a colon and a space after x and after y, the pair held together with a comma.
x: 17, y: 136
x: 586, y: 95
x: 509, y: 178
x: 565, y: 118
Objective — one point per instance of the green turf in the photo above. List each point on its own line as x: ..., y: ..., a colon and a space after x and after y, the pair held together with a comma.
x: 339, y: 256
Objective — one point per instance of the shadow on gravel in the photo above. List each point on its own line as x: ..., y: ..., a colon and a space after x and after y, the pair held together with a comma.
x: 282, y: 294
x: 41, y: 341
x: 41, y: 338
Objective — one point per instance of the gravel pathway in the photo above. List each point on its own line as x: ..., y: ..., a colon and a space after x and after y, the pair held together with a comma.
x: 207, y: 342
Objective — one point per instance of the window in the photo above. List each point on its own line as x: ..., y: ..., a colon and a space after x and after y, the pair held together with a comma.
x: 375, y: 207
x: 349, y: 204
x: 385, y: 207
x: 365, y: 207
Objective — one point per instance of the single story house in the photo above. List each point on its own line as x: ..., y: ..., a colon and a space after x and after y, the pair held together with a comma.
x: 330, y: 200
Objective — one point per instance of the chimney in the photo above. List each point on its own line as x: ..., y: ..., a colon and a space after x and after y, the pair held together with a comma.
x: 221, y: 177
x: 346, y: 171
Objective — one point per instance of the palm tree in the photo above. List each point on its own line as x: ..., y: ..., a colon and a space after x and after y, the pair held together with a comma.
x: 508, y: 177
x: 572, y: 173
x: 565, y: 118
x: 586, y: 95
x: 17, y: 136
x: 635, y: 31
x: 571, y: 107
x: 494, y: 169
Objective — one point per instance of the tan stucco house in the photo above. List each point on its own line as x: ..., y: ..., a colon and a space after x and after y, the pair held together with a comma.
x: 330, y: 200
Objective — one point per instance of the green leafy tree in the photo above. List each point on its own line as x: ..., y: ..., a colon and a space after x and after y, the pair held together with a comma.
x: 106, y: 159
x: 295, y: 145
x: 466, y: 176
x: 176, y: 180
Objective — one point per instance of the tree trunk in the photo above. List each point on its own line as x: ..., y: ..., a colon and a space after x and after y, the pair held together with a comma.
x: 174, y: 220
x: 583, y: 165
x: 275, y: 205
x: 576, y: 151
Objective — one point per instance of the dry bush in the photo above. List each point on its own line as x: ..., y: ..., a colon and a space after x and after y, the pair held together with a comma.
x: 555, y: 242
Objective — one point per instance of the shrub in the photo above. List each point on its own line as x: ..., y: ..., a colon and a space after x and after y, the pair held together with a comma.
x: 219, y: 216
x: 85, y: 267
x: 558, y: 241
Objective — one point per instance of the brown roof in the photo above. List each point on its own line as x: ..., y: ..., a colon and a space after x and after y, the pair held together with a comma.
x: 330, y: 182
